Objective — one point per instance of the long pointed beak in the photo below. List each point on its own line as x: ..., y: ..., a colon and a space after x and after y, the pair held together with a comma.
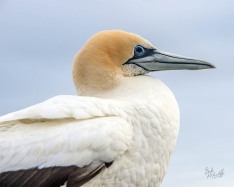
x: 158, y: 61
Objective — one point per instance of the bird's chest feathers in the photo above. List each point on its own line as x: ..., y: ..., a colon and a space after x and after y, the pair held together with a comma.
x: 153, y: 141
x: 154, y: 136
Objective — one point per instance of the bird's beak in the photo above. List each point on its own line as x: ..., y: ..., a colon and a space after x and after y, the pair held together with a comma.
x: 157, y: 61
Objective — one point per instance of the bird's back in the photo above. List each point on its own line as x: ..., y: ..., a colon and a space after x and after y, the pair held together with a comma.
x: 135, y: 128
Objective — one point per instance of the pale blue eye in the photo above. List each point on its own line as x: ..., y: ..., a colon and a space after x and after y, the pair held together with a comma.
x: 139, y: 51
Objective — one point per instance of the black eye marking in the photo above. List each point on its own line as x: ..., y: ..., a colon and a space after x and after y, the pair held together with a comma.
x: 139, y: 51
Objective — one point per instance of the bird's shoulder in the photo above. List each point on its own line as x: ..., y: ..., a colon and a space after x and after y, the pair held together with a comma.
x: 64, y: 131
x: 66, y: 106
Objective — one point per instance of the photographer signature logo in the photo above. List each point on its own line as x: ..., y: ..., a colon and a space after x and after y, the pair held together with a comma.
x: 210, y: 173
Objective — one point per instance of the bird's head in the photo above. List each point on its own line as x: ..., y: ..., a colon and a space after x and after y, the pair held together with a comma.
x: 113, y: 54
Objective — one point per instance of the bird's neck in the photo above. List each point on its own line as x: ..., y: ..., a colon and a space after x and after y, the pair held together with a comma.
x: 91, y: 80
x: 98, y: 86
x: 138, y: 87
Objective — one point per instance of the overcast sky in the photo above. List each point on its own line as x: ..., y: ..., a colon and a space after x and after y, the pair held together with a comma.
x: 38, y: 40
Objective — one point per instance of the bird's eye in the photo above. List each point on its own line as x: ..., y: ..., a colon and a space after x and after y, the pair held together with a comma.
x: 139, y: 51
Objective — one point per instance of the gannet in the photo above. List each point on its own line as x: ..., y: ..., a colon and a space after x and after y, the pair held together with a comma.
x: 120, y: 131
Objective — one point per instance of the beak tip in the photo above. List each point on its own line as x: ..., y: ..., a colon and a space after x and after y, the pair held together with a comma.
x: 206, y: 65
x: 211, y: 66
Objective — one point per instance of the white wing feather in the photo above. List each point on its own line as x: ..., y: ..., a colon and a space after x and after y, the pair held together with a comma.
x: 65, y: 106
x: 62, y: 131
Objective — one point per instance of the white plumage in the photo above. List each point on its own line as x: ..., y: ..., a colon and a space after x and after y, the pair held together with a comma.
x: 134, y: 125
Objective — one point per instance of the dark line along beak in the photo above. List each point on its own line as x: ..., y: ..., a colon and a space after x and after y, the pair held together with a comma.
x: 158, y: 61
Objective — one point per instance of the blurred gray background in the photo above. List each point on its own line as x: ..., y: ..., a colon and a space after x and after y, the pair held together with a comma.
x: 38, y: 40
